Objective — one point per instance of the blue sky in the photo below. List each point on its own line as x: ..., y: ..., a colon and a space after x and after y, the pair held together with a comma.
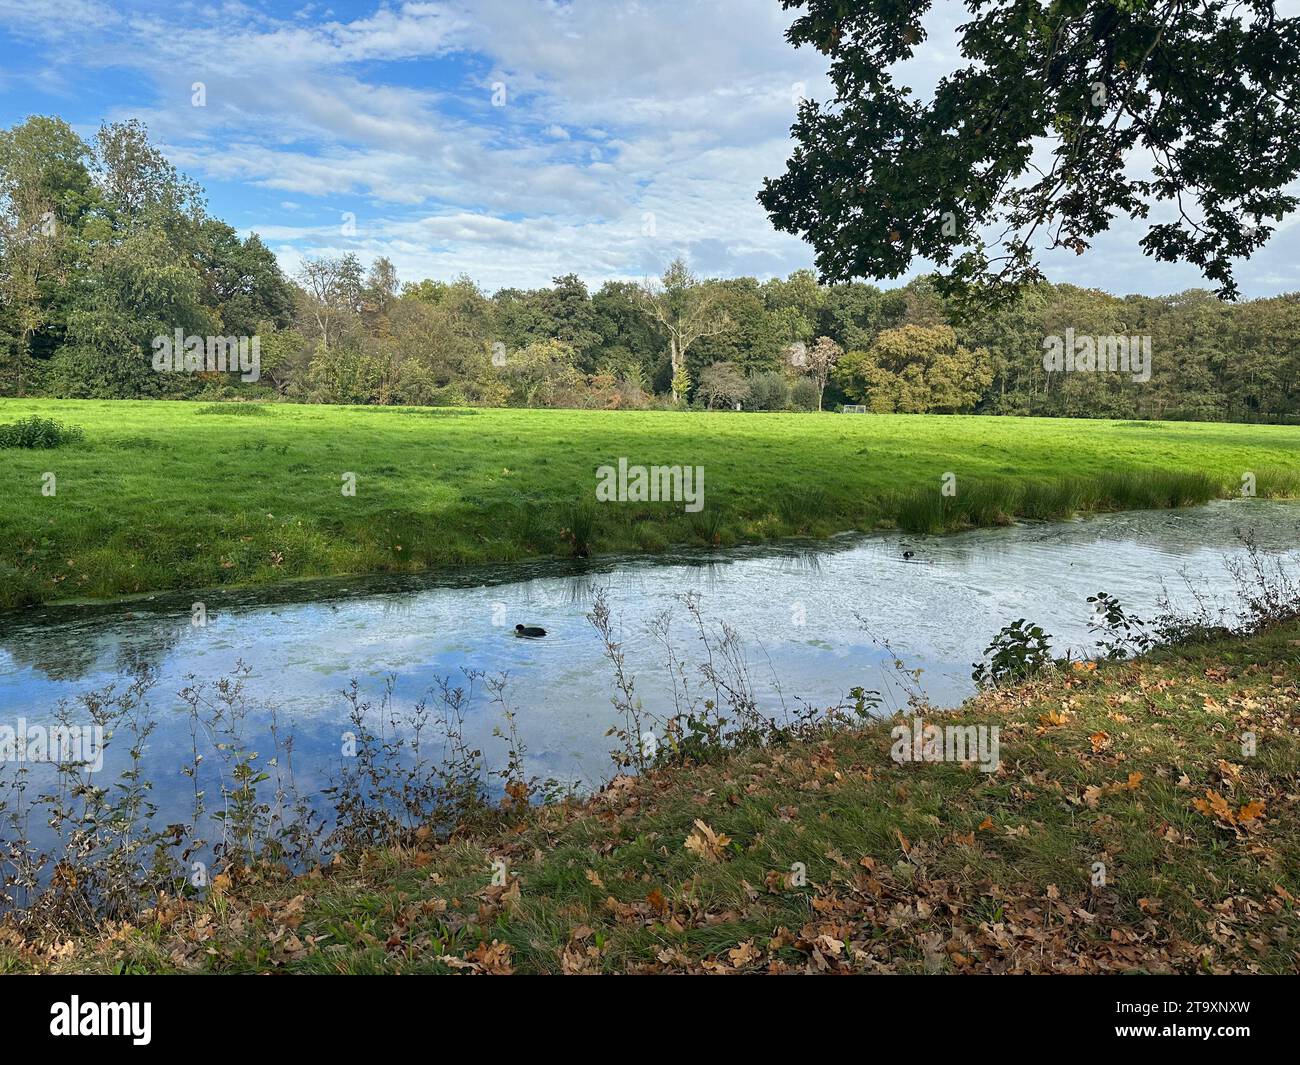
x: 510, y: 140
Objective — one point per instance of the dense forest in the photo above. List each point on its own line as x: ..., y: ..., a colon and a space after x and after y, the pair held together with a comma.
x: 105, y: 247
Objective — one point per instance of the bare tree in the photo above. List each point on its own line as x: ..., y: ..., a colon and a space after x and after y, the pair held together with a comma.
x: 333, y: 288
x: 686, y: 310
x: 817, y: 361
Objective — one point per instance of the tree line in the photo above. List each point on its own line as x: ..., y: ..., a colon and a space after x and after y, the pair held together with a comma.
x: 105, y: 246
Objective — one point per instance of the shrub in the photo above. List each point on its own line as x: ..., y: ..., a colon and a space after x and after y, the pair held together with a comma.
x: 768, y: 391
x: 416, y: 384
x: 37, y: 432
x: 721, y: 384
x: 1119, y: 634
x: 803, y: 396
x: 1019, y: 651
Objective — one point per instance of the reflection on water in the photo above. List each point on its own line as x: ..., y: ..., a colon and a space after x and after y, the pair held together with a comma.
x: 796, y: 605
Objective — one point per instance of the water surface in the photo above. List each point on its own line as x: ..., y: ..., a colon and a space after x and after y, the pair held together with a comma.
x: 813, y: 617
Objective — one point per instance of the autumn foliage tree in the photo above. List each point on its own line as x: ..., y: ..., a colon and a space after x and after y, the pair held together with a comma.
x: 915, y: 370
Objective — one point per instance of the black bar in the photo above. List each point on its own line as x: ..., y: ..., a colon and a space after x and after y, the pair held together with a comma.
x: 336, y: 1014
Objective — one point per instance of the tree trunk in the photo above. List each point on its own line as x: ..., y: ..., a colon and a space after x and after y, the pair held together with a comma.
x: 24, y: 347
x: 675, y: 357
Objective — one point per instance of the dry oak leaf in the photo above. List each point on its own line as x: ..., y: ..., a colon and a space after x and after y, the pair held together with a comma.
x: 493, y: 959
x: 829, y: 945
x: 1252, y: 811
x: 776, y: 881
x: 705, y: 843
x: 1216, y: 806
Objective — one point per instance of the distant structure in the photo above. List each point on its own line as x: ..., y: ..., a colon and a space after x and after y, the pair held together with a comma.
x: 853, y: 408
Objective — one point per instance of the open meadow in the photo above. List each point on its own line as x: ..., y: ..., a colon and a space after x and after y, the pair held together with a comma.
x: 175, y: 495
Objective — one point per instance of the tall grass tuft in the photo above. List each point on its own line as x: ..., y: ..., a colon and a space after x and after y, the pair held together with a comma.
x: 1277, y: 483
x: 1055, y: 500
x: 981, y: 504
x: 528, y: 525
x: 984, y: 504
x: 707, y: 524
x: 801, y: 506
x: 976, y: 505
x: 1154, y: 489
x: 237, y: 407
x: 921, y: 511
x: 579, y: 528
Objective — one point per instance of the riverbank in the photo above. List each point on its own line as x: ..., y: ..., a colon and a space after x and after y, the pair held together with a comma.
x: 1131, y: 826
x: 163, y: 496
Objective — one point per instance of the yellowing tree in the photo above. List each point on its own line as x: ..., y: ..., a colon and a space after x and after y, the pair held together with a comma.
x: 915, y: 370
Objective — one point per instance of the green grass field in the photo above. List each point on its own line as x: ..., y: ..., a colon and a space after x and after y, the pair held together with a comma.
x: 163, y: 495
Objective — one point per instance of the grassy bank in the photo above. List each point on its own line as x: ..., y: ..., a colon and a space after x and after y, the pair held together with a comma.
x: 924, y: 867
x: 173, y: 495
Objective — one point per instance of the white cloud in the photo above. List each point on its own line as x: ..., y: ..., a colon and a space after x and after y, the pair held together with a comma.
x: 615, y: 109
